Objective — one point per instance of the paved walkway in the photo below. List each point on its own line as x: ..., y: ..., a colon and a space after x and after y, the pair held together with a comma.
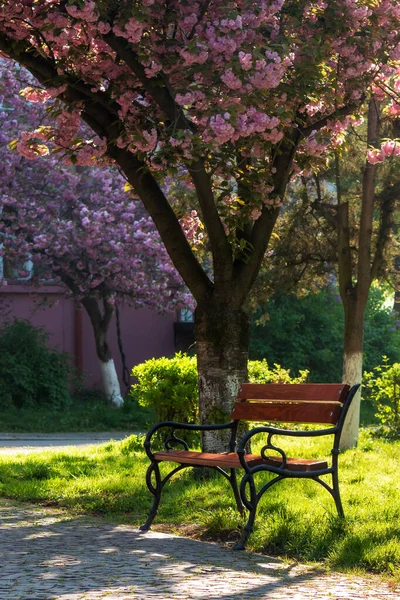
x: 13, y: 443
x: 46, y: 554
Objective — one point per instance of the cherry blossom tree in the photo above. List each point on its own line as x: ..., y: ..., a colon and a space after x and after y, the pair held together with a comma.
x: 78, y: 226
x: 233, y: 97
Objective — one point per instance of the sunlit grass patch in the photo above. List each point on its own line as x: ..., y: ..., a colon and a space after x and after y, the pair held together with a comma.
x: 295, y: 518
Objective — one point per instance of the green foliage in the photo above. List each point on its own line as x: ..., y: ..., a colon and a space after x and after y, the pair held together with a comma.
x: 383, y: 387
x: 169, y: 386
x: 31, y: 373
x: 381, y: 334
x: 260, y: 372
x: 307, y: 333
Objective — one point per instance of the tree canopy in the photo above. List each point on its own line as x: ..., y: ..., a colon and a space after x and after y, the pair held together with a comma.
x: 234, y: 98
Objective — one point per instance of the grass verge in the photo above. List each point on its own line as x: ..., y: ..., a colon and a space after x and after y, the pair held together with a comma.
x: 92, y: 413
x: 296, y: 518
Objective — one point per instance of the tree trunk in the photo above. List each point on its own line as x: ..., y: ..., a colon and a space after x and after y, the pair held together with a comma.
x: 100, y: 323
x: 111, y: 383
x: 354, y: 309
x: 222, y: 340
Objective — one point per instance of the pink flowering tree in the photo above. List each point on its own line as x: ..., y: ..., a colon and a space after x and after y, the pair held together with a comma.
x: 234, y: 97
x: 76, y: 225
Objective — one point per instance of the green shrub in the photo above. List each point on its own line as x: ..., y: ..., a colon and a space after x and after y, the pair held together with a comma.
x: 382, y: 386
x: 31, y: 373
x: 260, y: 372
x: 169, y: 385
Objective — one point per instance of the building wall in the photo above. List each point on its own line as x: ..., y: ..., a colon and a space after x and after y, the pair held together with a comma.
x: 145, y: 334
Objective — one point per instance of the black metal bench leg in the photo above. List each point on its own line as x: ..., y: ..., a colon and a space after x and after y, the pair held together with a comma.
x: 336, y: 494
x: 155, y: 490
x: 248, y: 528
x: 236, y: 493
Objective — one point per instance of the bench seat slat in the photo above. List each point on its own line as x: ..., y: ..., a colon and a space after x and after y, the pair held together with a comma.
x: 294, y: 412
x: 313, y: 392
x: 231, y: 460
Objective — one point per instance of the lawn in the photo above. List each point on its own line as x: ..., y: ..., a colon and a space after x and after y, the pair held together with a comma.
x: 90, y: 413
x: 296, y: 518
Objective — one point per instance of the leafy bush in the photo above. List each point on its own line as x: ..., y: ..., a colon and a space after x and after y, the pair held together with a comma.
x: 382, y: 386
x: 260, y: 372
x: 31, y: 373
x: 169, y: 385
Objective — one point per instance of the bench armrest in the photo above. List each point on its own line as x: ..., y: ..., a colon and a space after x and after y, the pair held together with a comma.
x: 271, y: 431
x: 173, y: 425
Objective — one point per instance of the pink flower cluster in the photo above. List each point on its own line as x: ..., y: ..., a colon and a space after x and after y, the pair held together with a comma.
x: 132, y: 30
x: 192, y: 226
x: 389, y: 149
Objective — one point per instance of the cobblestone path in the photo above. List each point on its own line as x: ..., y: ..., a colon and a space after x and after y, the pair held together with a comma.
x: 46, y: 554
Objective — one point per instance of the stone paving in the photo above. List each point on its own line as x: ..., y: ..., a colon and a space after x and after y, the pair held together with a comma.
x: 48, y: 554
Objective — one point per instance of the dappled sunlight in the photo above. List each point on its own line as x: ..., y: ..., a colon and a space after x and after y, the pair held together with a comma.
x: 77, y: 557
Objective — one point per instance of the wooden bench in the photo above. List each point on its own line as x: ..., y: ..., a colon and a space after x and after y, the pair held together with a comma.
x: 260, y: 403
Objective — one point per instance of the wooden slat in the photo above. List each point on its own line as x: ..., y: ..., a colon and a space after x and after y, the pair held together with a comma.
x: 230, y: 460
x: 312, y: 392
x: 302, y: 412
x: 298, y: 464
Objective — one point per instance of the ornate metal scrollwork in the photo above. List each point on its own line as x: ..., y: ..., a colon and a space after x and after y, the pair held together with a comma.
x: 173, y: 441
x: 270, y: 446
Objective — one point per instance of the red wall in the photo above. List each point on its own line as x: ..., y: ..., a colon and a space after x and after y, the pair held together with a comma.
x: 145, y: 334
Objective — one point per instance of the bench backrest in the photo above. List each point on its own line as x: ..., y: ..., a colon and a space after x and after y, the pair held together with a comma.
x: 290, y: 402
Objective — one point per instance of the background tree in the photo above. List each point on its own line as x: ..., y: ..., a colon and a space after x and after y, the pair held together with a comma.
x: 341, y: 220
x: 77, y: 225
x: 306, y: 332
x: 238, y: 94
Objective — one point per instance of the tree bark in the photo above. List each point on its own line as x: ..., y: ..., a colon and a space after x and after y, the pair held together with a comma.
x: 222, y: 339
x: 111, y: 382
x: 354, y: 311
x: 355, y: 279
x: 100, y: 323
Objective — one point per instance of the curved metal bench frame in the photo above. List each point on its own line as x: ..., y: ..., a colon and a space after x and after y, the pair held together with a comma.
x: 245, y: 499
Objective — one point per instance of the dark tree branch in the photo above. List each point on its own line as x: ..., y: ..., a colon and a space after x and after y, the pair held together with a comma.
x: 101, y: 118
x: 160, y: 90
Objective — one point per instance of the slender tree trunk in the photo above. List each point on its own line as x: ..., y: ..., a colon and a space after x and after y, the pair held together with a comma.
x: 100, y: 323
x: 111, y: 382
x: 355, y: 280
x: 222, y: 340
x: 354, y: 309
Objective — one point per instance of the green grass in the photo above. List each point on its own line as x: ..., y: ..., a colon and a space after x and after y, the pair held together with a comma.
x: 91, y: 413
x: 295, y: 519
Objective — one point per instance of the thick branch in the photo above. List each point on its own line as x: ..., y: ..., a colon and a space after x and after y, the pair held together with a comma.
x: 101, y: 118
x: 344, y: 251
x: 220, y: 247
x: 165, y: 220
x: 158, y: 86
x: 246, y: 273
x: 160, y: 90
x: 307, y: 129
